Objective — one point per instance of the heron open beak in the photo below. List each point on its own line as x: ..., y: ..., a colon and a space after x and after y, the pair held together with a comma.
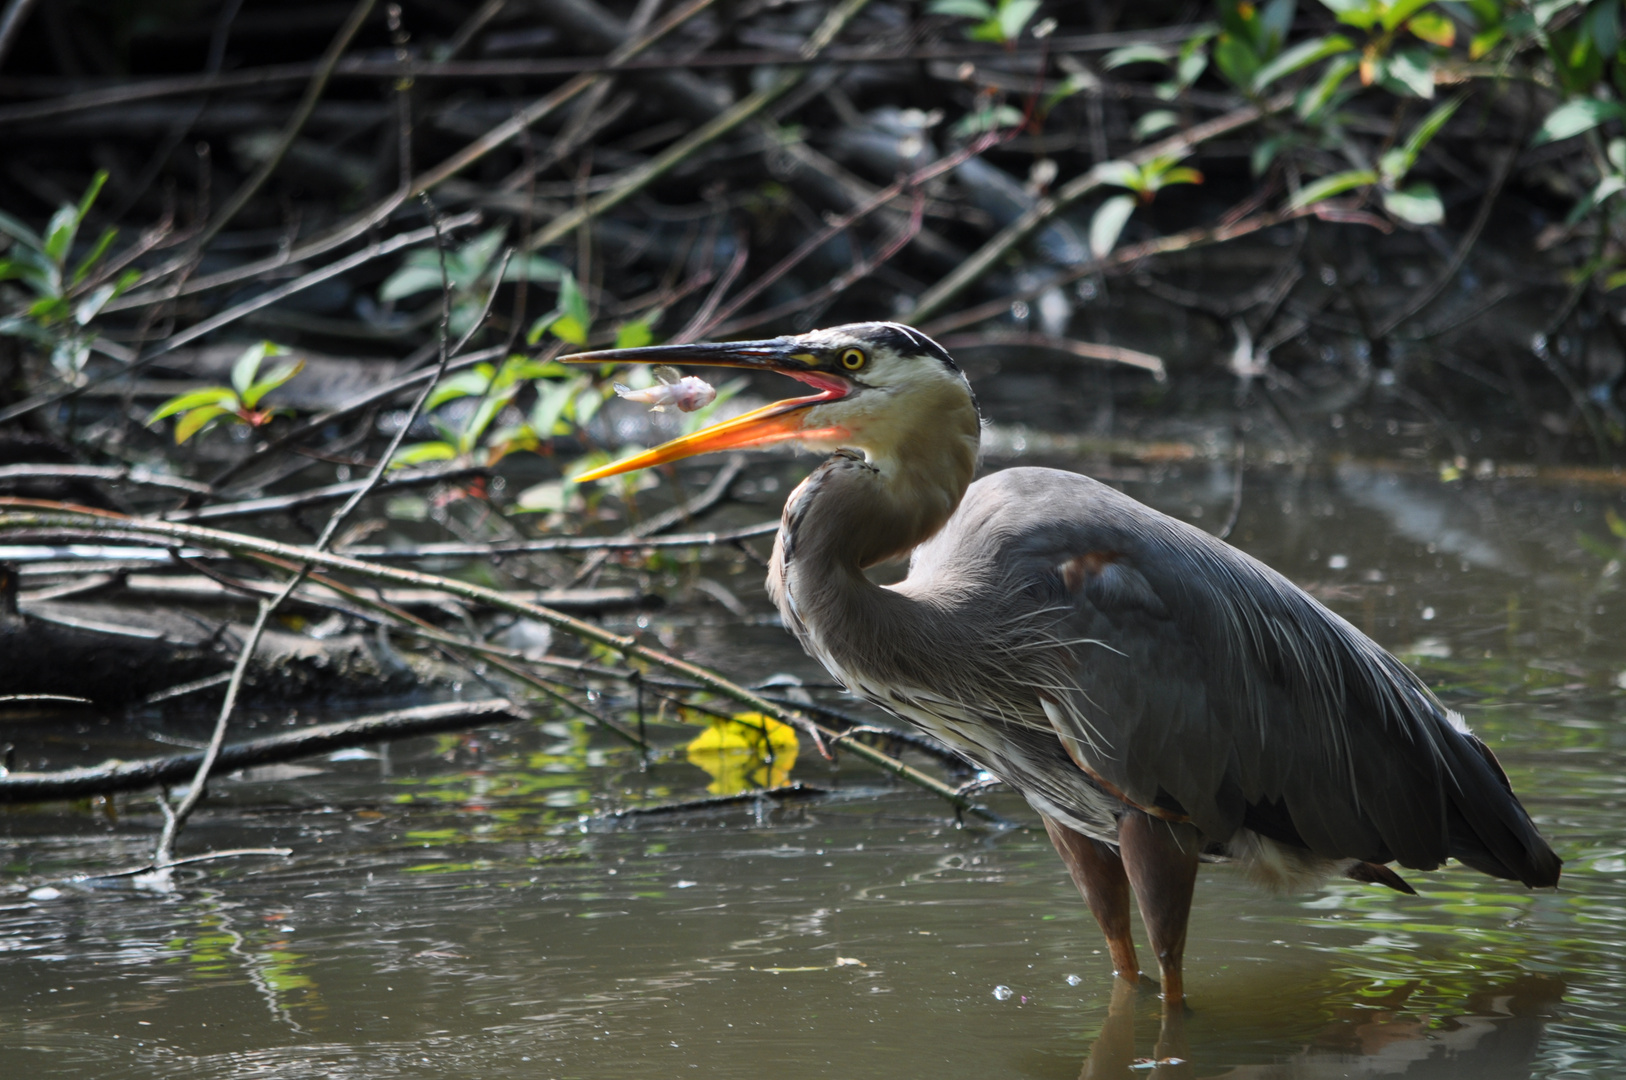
x: 770, y: 424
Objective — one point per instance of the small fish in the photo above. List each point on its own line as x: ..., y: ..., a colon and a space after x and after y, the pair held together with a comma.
x: 685, y: 392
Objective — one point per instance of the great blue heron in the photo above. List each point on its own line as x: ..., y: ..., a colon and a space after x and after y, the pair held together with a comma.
x: 1154, y: 693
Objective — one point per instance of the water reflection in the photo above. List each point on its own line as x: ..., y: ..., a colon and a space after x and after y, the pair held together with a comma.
x: 457, y: 916
x: 1496, y: 1036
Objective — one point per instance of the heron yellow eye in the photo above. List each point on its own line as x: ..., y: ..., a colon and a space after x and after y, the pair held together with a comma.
x: 852, y: 359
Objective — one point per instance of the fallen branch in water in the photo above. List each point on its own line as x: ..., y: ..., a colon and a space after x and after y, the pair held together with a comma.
x: 51, y: 520
x: 782, y: 793
x: 272, y: 504
x: 19, y: 787
x: 561, y: 543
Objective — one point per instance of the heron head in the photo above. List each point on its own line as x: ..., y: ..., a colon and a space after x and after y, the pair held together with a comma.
x: 882, y: 388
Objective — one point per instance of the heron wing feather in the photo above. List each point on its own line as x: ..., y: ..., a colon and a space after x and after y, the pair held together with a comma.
x: 1203, y: 680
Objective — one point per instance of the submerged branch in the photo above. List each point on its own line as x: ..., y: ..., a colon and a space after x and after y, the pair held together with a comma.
x: 46, y: 519
x: 105, y: 779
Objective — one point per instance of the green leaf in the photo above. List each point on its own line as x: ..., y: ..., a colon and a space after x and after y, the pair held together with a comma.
x: 1108, y: 224
x: 573, y: 302
x: 476, y: 380
x: 1430, y: 126
x: 1361, y: 14
x: 125, y: 281
x: 1000, y: 116
x: 1433, y: 28
x: 1328, y: 186
x: 1142, y: 53
x: 92, y: 303
x: 474, y: 258
x: 969, y: 9
x: 552, y: 398
x: 1598, y: 549
x: 586, y: 405
x: 1313, y: 100
x: 486, y: 412
x: 1153, y: 122
x: 59, y: 234
x: 196, y: 420
x: 1014, y: 15
x: 1184, y: 174
x: 533, y: 268
x: 1121, y: 174
x: 1574, y: 117
x: 1397, y: 162
x: 21, y: 233
x: 248, y: 364
x: 214, y: 395
x: 271, y: 382
x: 32, y: 276
x: 1193, y: 59
x: 89, y: 262
x: 1418, y: 204
x: 88, y: 199
x: 409, y: 280
x: 568, y: 328
x: 1607, y: 188
x: 987, y: 30
x: 1398, y: 12
x: 1617, y: 524
x: 1483, y: 43
x: 633, y: 335
x: 1264, y: 152
x: 1299, y: 56
x: 1236, y: 60
x: 1409, y: 71
x: 418, y: 453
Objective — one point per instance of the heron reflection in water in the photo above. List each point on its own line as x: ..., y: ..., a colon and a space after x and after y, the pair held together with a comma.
x: 1156, y: 695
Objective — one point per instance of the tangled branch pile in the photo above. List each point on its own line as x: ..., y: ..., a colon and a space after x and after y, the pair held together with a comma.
x: 1323, y: 207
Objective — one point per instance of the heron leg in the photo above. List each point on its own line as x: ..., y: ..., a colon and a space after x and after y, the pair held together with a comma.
x: 1160, y: 858
x: 1099, y: 874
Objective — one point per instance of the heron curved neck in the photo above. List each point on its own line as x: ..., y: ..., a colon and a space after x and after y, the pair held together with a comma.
x: 856, y: 510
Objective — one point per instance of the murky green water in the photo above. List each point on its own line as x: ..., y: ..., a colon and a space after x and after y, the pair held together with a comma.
x: 454, y: 909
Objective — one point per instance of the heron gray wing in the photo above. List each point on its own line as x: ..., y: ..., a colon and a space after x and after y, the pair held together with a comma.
x: 1206, y: 684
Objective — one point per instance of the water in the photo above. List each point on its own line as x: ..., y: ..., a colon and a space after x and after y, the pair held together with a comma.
x: 455, y: 909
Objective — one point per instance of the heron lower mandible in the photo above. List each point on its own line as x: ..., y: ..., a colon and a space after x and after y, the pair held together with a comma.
x: 1154, y: 693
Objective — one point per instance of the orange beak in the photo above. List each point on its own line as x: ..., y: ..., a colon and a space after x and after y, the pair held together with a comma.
x: 760, y: 427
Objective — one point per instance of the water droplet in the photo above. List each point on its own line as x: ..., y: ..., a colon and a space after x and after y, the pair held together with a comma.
x: 1003, y: 993
x: 1073, y: 980
x: 1338, y: 562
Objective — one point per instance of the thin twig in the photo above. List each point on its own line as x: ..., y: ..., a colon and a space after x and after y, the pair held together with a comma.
x: 272, y: 504
x: 1089, y: 350
x: 11, y: 25
x: 366, y: 68
x: 131, y: 474
x: 724, y: 122
x: 290, y: 132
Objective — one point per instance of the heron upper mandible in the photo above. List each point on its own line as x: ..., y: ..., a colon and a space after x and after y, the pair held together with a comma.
x: 1154, y: 693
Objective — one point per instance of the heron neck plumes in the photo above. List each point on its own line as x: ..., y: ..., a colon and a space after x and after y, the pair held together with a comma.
x: 919, y: 452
